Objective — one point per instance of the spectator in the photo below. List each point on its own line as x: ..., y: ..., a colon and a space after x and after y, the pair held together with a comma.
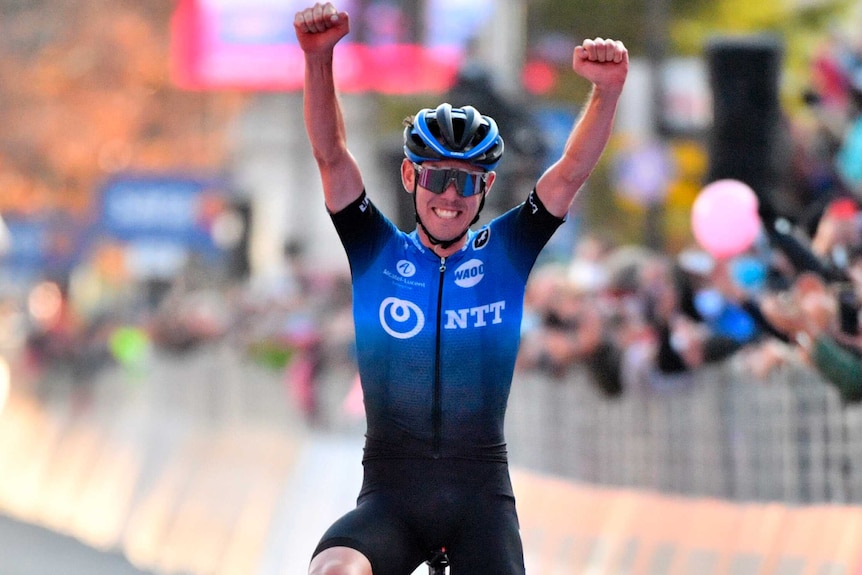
x: 810, y: 313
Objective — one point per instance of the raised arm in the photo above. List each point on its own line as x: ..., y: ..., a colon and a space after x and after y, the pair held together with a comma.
x: 605, y: 64
x: 318, y: 30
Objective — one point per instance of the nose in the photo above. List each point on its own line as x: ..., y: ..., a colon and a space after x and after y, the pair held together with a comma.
x: 451, y: 185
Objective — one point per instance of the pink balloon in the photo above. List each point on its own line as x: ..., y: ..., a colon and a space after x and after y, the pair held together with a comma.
x: 724, y: 218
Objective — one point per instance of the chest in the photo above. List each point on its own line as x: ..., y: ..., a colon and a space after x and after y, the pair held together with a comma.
x: 408, y: 293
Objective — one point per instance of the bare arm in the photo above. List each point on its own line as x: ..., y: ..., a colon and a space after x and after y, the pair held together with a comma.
x: 318, y: 30
x: 605, y: 64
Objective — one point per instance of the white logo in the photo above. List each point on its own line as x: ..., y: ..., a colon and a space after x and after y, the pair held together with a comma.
x: 482, y: 238
x: 533, y: 204
x: 470, y: 273
x: 400, y: 318
x: 406, y: 268
x: 478, y: 316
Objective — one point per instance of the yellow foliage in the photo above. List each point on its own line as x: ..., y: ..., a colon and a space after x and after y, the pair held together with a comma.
x: 690, y: 158
x: 799, y: 24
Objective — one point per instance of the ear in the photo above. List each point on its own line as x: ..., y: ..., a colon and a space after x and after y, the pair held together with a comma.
x: 490, y: 181
x: 408, y: 175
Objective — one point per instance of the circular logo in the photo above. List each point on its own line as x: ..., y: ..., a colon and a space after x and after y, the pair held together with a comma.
x: 470, y: 273
x: 482, y: 238
x: 400, y: 318
x: 406, y: 268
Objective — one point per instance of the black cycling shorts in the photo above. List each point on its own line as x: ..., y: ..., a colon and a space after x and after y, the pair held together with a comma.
x: 409, y: 507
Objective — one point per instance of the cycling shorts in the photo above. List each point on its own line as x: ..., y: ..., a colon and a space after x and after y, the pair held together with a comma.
x: 409, y: 507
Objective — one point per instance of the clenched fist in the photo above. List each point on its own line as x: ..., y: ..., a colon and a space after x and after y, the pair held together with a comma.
x: 320, y: 27
x: 604, y: 62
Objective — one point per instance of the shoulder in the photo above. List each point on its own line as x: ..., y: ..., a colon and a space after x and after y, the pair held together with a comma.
x: 531, y: 217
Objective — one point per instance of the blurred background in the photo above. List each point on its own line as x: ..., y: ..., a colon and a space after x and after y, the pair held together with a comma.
x: 177, y: 383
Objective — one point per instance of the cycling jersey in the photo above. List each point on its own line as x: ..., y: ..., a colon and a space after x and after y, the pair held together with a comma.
x: 437, y: 338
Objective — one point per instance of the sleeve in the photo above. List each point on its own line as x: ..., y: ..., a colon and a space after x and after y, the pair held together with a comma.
x: 363, y: 231
x: 533, y: 226
x: 800, y: 255
x: 840, y: 367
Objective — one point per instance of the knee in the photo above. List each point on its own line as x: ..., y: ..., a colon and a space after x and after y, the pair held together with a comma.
x: 340, y: 561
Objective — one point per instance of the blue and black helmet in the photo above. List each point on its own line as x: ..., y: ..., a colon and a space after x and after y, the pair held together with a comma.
x: 448, y: 133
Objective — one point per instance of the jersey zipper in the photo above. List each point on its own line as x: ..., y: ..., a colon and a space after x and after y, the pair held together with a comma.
x: 437, y: 407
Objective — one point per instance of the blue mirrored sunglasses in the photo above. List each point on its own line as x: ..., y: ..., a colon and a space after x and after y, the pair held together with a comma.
x: 436, y: 180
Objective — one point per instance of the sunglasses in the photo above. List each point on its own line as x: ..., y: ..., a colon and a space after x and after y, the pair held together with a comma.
x: 436, y: 180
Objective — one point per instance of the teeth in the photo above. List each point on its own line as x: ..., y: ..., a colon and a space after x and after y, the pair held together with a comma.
x: 446, y: 214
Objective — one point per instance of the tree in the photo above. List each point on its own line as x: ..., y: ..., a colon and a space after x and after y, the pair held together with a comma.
x: 85, y: 91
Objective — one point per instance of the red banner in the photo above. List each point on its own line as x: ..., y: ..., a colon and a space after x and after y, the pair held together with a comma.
x: 252, y: 46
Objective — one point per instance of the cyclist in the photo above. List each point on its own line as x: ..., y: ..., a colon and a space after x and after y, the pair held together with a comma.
x: 437, y: 314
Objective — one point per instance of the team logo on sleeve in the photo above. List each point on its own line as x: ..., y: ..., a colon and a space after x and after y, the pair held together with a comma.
x: 400, y: 318
x: 534, y: 202
x: 481, y: 239
x: 470, y: 273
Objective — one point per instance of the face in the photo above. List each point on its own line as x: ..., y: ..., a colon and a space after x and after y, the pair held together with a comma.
x: 448, y: 214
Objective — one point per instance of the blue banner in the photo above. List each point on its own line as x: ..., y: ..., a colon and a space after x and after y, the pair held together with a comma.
x: 42, y: 245
x: 161, y: 209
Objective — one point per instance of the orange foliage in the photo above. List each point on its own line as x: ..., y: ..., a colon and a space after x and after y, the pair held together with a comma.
x: 96, y: 98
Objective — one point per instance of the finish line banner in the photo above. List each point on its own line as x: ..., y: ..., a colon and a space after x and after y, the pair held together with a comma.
x: 251, y: 44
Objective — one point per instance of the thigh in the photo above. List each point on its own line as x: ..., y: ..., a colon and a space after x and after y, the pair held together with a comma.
x: 379, y: 534
x: 489, y: 540
x: 343, y: 559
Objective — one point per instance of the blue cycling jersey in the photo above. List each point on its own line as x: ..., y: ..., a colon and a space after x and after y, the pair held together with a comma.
x: 437, y: 338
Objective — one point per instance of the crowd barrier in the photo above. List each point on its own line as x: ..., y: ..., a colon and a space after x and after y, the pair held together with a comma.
x: 718, y: 432
x: 201, y: 466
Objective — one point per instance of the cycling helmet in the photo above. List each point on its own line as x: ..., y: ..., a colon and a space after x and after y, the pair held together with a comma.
x: 453, y: 134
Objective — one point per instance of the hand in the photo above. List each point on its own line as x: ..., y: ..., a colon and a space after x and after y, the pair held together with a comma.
x: 818, y: 307
x: 604, y: 62
x: 820, y: 311
x: 320, y: 27
x: 782, y: 312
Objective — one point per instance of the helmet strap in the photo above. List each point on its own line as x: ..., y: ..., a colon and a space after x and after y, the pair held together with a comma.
x: 445, y: 244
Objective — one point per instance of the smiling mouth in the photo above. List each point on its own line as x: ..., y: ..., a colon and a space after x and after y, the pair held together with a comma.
x: 445, y: 214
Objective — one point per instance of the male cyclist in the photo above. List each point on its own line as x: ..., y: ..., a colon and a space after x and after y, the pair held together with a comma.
x: 437, y: 314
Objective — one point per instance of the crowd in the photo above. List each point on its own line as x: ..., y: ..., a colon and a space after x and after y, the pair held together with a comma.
x: 295, y: 321
x: 638, y: 319
x: 641, y: 320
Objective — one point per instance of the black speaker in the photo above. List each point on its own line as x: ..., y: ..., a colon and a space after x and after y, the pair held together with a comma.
x: 744, y: 76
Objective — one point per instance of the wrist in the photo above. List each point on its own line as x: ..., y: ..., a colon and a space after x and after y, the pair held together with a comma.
x: 319, y: 57
x: 610, y: 94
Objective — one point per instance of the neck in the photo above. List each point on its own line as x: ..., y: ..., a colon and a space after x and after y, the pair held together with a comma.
x: 443, y: 248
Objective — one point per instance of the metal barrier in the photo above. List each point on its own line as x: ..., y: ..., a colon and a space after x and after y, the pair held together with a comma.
x: 201, y: 464
x: 719, y: 433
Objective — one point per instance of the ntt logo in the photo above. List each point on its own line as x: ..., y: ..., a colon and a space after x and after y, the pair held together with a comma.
x: 469, y: 273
